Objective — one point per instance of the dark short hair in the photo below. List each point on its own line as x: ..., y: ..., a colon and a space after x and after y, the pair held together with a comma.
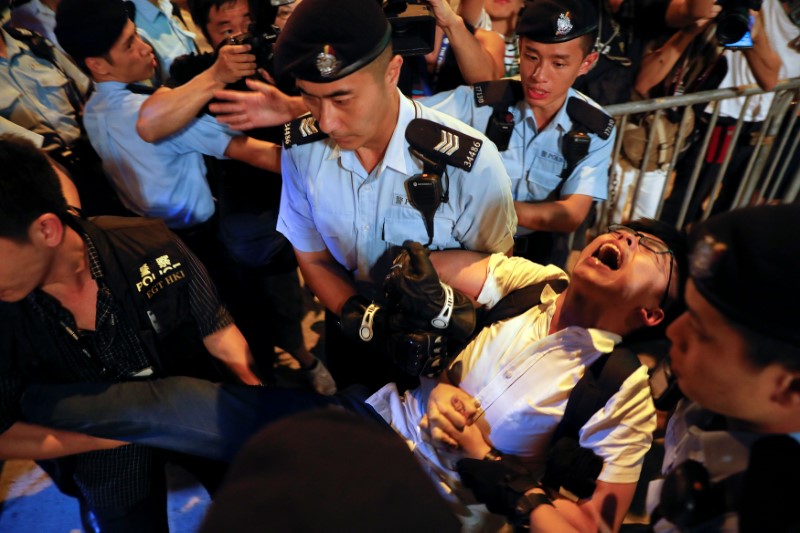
x: 587, y: 42
x: 29, y: 187
x: 199, y: 10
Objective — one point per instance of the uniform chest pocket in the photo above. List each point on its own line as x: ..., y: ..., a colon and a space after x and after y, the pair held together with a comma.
x: 543, y: 177
x: 408, y: 224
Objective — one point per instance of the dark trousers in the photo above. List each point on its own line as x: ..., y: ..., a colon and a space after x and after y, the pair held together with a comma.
x: 181, y: 414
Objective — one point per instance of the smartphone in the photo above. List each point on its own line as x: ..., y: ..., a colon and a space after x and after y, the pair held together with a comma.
x: 746, y: 41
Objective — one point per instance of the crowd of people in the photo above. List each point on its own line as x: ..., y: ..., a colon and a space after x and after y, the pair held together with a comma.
x: 169, y: 168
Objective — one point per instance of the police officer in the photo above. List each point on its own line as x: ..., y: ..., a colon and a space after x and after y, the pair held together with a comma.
x: 43, y: 91
x: 347, y: 169
x: 555, y: 142
x: 736, y: 355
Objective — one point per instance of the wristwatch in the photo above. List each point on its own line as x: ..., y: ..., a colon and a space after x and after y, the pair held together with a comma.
x: 525, y: 505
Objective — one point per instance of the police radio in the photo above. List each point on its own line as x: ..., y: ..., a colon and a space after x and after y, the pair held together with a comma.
x: 500, y: 95
x: 437, y: 146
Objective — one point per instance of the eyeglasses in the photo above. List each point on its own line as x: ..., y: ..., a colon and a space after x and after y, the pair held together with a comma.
x: 656, y: 246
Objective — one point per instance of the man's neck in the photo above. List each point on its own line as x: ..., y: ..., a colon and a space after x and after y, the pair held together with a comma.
x: 574, y: 310
x: 70, y: 270
x: 545, y: 115
x: 372, y: 152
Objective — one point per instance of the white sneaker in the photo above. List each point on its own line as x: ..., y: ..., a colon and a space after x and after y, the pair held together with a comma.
x: 319, y: 378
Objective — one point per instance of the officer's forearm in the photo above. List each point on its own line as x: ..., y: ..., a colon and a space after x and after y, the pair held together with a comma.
x: 170, y: 110
x: 229, y: 346
x: 260, y: 154
x: 326, y: 278
x: 563, y: 215
x: 30, y: 441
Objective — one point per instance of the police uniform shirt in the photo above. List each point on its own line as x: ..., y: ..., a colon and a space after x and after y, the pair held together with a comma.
x: 166, y: 179
x: 330, y: 201
x: 35, y: 16
x: 163, y: 32
x: 34, y: 92
x: 533, y: 158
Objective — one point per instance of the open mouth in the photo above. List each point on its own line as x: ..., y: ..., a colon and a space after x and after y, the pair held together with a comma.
x: 609, y: 255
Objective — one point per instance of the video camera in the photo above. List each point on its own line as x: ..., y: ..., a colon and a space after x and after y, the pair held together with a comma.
x: 733, y: 22
x: 413, y: 26
x: 261, y: 44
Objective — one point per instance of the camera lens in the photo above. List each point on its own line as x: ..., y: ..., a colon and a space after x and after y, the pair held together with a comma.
x: 732, y: 24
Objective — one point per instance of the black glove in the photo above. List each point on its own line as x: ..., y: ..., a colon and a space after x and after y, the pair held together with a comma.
x: 419, y: 353
x: 365, y: 321
x: 572, y: 467
x: 415, y: 286
x: 498, y: 484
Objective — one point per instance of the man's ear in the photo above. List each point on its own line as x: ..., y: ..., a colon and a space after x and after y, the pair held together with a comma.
x: 587, y: 63
x: 650, y: 317
x: 787, y: 390
x: 47, y: 230
x: 393, y: 70
x: 98, y: 66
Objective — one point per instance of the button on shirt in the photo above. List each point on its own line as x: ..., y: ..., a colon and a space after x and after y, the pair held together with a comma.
x: 533, y: 158
x: 163, y: 32
x: 35, y: 93
x: 330, y: 201
x: 166, y: 179
x: 523, y: 378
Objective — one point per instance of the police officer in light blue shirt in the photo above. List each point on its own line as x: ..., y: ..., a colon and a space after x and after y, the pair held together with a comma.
x: 555, y: 142
x: 40, y: 88
x: 350, y: 181
x: 163, y: 31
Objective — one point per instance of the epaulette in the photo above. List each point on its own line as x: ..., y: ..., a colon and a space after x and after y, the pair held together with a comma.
x: 443, y: 145
x: 302, y: 130
x: 37, y: 44
x: 593, y: 118
x: 497, y: 93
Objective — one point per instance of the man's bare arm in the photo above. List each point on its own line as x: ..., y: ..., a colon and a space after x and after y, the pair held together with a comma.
x: 29, y: 441
x: 603, y: 512
x: 260, y: 154
x: 168, y: 111
x: 326, y: 278
x: 563, y: 215
x: 229, y: 346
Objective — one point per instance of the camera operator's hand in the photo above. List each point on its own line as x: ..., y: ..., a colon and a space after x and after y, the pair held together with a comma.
x: 233, y: 63
x: 414, y: 284
x: 445, y: 16
x: 265, y: 106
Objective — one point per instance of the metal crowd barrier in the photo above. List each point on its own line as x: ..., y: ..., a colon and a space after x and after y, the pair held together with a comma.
x: 763, y: 176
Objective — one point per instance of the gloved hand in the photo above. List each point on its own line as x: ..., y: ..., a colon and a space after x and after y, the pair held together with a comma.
x: 497, y: 484
x: 414, y: 285
x: 365, y: 321
x: 572, y: 467
x: 418, y: 353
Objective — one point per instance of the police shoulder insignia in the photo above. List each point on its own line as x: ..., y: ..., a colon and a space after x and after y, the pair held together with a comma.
x: 497, y: 93
x: 443, y: 145
x: 593, y: 118
x: 302, y: 130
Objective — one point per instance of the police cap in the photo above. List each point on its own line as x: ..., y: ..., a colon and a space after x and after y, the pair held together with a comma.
x: 326, y: 40
x: 557, y: 21
x: 89, y: 28
x: 746, y: 264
